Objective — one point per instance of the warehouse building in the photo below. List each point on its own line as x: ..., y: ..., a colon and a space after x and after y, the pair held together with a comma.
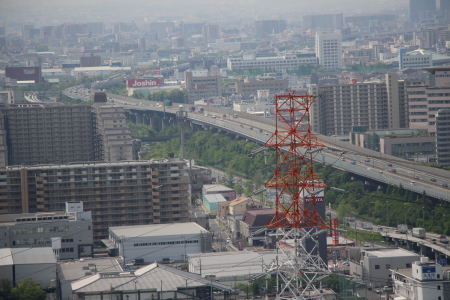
x: 159, y: 243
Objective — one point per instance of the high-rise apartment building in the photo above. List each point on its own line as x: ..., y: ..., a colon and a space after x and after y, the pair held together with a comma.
x: 421, y: 9
x: 443, y: 137
x: 332, y: 21
x: 374, y: 105
x: 210, y: 32
x: 329, y: 50
x: 63, y: 134
x: 112, y: 140
x: 265, y: 27
x: 117, y: 193
x: 425, y: 101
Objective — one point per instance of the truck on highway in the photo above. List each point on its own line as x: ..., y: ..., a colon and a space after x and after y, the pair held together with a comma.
x: 402, y: 228
x: 419, y: 233
x: 200, y: 110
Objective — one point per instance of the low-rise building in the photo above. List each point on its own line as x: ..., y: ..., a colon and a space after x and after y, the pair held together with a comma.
x: 374, y: 265
x: 211, y: 202
x: 38, y: 263
x: 288, y: 62
x: 154, y: 281
x: 226, y: 192
x: 69, y: 232
x: 162, y: 242
x: 424, y: 280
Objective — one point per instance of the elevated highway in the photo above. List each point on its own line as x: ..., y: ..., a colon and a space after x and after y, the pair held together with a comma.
x: 363, y: 162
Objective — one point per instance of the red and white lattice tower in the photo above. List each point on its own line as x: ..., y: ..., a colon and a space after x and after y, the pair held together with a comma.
x: 299, y: 266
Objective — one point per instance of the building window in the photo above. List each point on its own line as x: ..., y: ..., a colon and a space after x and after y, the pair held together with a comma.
x: 388, y: 266
x: 408, y: 265
x: 377, y: 267
x: 439, y: 287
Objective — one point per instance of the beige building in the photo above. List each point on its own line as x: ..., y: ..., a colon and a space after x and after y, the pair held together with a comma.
x: 202, y: 87
x: 251, y: 86
x: 117, y: 194
x: 113, y: 139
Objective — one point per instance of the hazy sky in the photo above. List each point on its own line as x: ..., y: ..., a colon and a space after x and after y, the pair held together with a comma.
x: 49, y: 12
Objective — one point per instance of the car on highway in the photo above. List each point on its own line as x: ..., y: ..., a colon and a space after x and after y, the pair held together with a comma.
x: 433, y: 241
x: 228, y: 240
x: 416, y: 177
x: 389, y: 165
x: 343, y: 158
x: 353, y: 162
x: 393, y: 170
x: 445, y: 185
x: 433, y: 179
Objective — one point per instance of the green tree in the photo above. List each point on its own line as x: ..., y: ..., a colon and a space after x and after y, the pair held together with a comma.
x: 6, y: 289
x: 156, y: 122
x: 176, y: 96
x: 29, y: 289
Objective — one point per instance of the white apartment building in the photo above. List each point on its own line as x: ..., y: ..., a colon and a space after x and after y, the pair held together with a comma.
x: 423, y: 281
x: 288, y: 62
x: 329, y: 50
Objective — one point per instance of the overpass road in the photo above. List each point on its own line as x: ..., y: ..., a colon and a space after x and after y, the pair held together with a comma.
x: 364, y: 162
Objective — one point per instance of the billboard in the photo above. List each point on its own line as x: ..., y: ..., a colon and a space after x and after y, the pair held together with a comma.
x: 157, y: 71
x: 429, y: 273
x: 138, y: 83
x: 263, y: 94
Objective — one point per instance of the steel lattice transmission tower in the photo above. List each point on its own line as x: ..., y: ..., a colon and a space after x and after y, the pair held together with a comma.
x: 299, y: 266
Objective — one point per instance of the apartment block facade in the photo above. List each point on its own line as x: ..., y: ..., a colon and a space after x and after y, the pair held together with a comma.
x: 340, y: 107
x: 63, y: 134
x: 443, y: 137
x: 117, y: 193
x: 374, y: 105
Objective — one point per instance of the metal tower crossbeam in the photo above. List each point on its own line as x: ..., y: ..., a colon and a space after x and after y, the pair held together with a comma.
x: 299, y: 265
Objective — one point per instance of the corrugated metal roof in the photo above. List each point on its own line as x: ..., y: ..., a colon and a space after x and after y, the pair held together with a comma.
x: 152, y: 277
x: 157, y: 230
x: 216, y: 188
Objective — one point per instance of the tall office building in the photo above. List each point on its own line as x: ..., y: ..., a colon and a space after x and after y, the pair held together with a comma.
x: 117, y: 193
x: 421, y: 9
x: 329, y: 50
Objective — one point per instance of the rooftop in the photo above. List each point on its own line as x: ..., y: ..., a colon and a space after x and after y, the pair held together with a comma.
x: 389, y: 252
x: 25, y: 256
x: 216, y: 188
x: 157, y: 230
x: 154, y: 277
x: 215, y: 198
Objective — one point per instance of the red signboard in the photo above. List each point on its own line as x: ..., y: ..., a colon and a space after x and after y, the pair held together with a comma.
x: 137, y: 83
x: 334, y: 233
x: 157, y: 70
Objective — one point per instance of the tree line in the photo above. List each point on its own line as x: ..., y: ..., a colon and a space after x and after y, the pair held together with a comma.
x: 390, y: 206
